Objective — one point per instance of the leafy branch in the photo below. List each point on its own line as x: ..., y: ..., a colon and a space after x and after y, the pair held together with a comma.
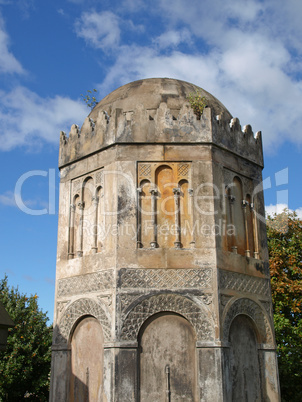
x: 90, y: 99
x: 197, y: 102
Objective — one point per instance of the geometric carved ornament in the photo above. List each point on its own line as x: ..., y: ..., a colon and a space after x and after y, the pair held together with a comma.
x: 197, y: 316
x: 78, y: 309
x: 166, y: 278
x: 244, y: 283
x: 250, y: 308
x: 94, y: 282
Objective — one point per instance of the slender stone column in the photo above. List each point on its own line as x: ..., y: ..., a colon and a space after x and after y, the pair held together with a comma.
x: 153, y: 192
x: 232, y: 200
x: 80, y: 231
x: 95, y: 202
x: 176, y: 192
x: 255, y: 231
x: 71, y: 232
x: 247, y: 250
x: 139, y: 218
x: 168, y: 385
x: 191, y: 192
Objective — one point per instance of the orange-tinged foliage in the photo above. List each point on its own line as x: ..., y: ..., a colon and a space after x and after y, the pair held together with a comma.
x: 284, y: 232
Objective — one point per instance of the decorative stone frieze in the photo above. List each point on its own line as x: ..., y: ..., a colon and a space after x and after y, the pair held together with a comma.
x: 84, y: 284
x: 244, y: 283
x: 200, y: 278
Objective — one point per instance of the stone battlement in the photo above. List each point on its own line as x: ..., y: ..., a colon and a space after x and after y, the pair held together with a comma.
x: 108, y: 126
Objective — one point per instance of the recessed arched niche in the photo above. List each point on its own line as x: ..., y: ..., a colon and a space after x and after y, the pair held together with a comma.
x: 88, y: 215
x: 165, y: 183
x: 238, y: 217
x: 86, y: 371
x: 244, y: 369
x: 165, y: 213
x: 167, y: 360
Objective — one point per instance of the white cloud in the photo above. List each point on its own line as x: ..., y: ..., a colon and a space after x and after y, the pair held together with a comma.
x: 99, y: 29
x: 173, y: 38
x: 299, y: 212
x: 247, y: 63
x: 279, y: 208
x: 8, y: 199
x: 8, y: 63
x: 244, y: 11
x: 260, y: 95
x: 134, y: 5
x: 27, y: 118
x: 134, y: 62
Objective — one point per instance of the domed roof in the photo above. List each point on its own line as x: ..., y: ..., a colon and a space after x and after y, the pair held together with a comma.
x: 151, y: 92
x: 157, y: 111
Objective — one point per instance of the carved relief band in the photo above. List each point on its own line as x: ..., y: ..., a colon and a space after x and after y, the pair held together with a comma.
x: 244, y: 283
x: 166, y: 278
x: 88, y: 283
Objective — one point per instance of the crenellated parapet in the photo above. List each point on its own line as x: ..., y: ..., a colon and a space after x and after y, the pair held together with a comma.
x: 159, y: 122
x: 229, y: 134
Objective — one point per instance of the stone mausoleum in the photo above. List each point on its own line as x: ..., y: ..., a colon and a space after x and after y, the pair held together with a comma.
x: 162, y: 282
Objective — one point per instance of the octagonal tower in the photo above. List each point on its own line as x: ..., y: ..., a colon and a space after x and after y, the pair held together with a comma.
x: 162, y: 281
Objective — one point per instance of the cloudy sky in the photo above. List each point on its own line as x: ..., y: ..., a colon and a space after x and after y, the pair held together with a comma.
x: 247, y: 53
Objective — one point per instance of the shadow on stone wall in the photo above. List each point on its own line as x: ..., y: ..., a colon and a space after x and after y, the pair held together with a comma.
x: 73, y: 377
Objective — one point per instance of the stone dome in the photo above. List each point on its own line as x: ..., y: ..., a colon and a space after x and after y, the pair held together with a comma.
x: 157, y: 111
x: 150, y: 93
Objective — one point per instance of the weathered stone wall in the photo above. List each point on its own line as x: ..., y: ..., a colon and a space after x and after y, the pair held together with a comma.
x: 162, y: 252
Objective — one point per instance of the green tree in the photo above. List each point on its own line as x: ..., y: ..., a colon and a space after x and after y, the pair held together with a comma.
x: 284, y: 232
x: 25, y: 364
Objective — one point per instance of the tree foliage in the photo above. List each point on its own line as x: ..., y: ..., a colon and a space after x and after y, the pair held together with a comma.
x: 284, y: 233
x: 25, y: 364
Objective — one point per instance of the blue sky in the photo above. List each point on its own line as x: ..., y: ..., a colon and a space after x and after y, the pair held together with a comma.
x: 247, y: 53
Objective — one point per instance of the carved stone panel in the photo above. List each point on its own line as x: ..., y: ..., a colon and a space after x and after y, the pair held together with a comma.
x: 198, y: 317
x: 78, y: 309
x: 126, y: 299
x: 200, y: 278
x: 144, y: 170
x: 183, y: 169
x: 244, y: 283
x: 95, y: 282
